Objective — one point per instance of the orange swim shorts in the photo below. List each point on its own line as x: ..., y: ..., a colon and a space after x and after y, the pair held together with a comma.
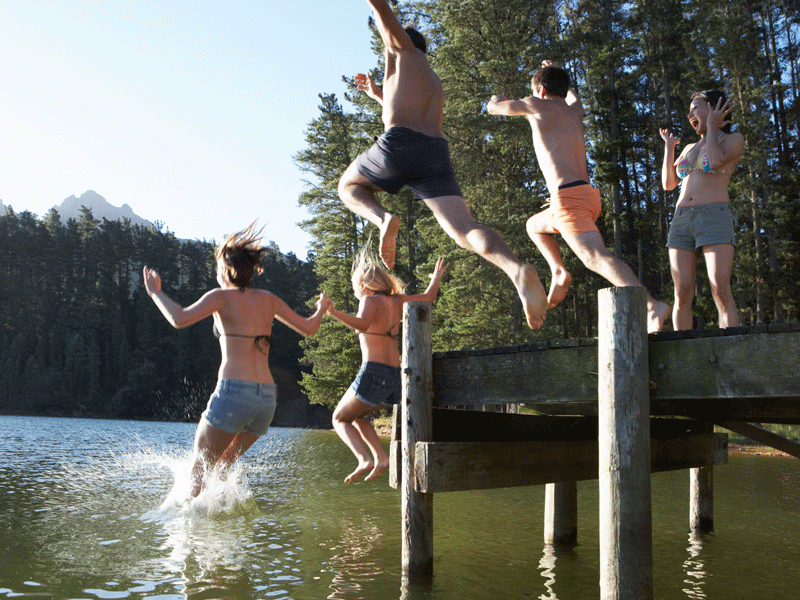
x: 575, y: 209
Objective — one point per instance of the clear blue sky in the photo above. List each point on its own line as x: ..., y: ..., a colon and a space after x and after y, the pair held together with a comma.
x: 187, y: 110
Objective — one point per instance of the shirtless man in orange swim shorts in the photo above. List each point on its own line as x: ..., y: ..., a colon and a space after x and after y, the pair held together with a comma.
x: 556, y: 117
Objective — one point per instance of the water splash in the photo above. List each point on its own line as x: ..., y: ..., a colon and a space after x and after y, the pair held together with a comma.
x: 222, y: 497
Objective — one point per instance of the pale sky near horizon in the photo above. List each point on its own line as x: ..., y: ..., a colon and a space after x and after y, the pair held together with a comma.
x: 187, y: 110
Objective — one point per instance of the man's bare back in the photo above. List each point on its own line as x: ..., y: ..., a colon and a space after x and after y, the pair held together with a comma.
x: 412, y: 92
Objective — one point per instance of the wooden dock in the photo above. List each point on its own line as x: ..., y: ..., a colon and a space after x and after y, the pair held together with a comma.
x: 615, y: 408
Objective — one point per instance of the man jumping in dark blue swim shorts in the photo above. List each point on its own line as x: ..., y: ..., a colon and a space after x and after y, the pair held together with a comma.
x: 413, y: 152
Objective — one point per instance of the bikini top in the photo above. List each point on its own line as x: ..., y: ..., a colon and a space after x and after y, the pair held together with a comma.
x: 389, y: 334
x: 261, y: 342
x: 683, y: 167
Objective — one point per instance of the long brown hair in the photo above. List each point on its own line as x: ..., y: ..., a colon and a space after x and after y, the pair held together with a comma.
x: 241, y: 253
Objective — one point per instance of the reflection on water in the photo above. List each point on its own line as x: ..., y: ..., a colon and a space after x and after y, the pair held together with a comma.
x: 95, y: 509
x: 694, y: 566
x: 547, y: 568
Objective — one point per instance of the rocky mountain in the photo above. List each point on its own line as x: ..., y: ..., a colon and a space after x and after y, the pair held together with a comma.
x: 100, y: 207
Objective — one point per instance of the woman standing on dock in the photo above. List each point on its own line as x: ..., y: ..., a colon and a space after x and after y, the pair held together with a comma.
x: 380, y: 311
x: 242, y: 406
x: 703, y: 219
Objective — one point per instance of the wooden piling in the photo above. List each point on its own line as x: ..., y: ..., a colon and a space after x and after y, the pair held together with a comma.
x: 701, y: 499
x: 417, y: 507
x: 561, y: 513
x: 626, y: 536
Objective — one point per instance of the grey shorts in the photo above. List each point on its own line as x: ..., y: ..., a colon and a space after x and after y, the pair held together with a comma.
x: 402, y: 156
x: 237, y: 406
x: 378, y: 384
x: 693, y: 227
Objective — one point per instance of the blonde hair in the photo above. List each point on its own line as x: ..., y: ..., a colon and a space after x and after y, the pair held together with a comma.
x: 367, y: 272
x: 241, y: 253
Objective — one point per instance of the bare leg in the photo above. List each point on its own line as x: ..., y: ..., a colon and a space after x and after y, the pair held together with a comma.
x: 209, y: 445
x: 543, y: 235
x: 238, y: 446
x: 350, y: 410
x: 592, y: 252
x: 359, y: 195
x: 373, y: 441
x: 719, y: 262
x: 682, y: 265
x: 454, y: 216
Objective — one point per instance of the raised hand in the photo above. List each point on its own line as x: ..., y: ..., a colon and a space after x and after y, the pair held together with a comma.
x: 666, y: 135
x: 439, y: 269
x: 718, y: 115
x: 367, y: 85
x: 152, y: 281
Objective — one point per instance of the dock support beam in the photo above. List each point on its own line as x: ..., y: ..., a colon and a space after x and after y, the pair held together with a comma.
x: 626, y: 532
x: 701, y: 499
x: 417, y: 419
x: 561, y: 514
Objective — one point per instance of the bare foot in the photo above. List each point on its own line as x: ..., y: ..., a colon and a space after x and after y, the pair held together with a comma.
x: 558, y: 287
x: 363, y: 469
x: 378, y: 470
x: 389, y: 229
x: 534, y: 298
x: 657, y: 313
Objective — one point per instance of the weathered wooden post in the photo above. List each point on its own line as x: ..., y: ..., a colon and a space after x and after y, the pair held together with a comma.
x: 701, y: 499
x: 561, y: 513
x: 626, y: 528
x: 417, y: 508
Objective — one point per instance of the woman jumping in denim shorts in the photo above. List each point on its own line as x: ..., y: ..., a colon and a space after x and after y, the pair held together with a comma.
x: 380, y: 311
x: 243, y: 404
x: 703, y: 219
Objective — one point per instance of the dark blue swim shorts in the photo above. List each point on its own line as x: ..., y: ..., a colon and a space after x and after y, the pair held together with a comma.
x: 402, y: 156
x: 378, y: 384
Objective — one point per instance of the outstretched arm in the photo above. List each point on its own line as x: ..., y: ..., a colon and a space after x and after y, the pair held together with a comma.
x: 433, y: 287
x: 392, y: 33
x: 303, y: 325
x: 178, y: 316
x: 367, y: 310
x: 502, y: 106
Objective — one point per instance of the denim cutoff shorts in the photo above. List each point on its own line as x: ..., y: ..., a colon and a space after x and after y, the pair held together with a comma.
x: 693, y: 227
x: 378, y: 384
x: 237, y: 406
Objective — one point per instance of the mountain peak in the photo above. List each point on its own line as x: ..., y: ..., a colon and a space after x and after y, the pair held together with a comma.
x: 70, y: 208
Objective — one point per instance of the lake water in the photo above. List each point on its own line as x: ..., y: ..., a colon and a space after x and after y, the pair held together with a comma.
x: 83, y: 515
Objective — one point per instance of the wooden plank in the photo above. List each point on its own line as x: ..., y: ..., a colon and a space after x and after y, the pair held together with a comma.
x: 711, y: 365
x: 460, y: 466
x: 754, y: 366
x: 551, y: 375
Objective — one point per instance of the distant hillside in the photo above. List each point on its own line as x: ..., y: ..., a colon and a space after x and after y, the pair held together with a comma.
x: 100, y: 207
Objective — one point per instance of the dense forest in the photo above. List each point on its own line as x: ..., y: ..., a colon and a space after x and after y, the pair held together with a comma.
x: 79, y: 336
x: 634, y: 66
